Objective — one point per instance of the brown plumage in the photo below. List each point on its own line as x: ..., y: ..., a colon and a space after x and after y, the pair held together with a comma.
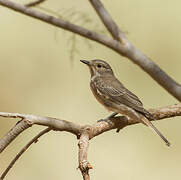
x: 111, y: 93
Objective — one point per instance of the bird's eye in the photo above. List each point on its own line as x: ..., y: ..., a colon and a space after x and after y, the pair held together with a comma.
x: 99, y: 66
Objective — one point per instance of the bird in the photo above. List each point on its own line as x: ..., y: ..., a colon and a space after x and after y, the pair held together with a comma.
x: 115, y: 97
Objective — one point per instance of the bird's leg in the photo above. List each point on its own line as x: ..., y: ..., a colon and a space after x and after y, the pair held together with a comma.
x: 111, y: 116
x: 107, y: 118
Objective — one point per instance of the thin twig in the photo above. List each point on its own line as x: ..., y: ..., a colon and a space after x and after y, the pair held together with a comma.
x: 34, y: 140
x: 35, y: 3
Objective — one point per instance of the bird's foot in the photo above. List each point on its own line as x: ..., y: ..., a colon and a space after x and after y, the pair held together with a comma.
x: 100, y: 120
x: 108, y: 118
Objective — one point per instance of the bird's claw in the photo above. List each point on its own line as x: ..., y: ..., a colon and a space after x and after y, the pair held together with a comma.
x: 105, y: 120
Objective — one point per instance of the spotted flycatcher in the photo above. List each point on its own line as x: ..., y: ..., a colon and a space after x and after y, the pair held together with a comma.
x: 111, y: 93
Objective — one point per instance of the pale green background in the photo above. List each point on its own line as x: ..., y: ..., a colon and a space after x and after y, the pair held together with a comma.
x: 38, y: 77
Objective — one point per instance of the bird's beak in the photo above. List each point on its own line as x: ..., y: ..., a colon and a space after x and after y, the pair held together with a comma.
x: 86, y: 62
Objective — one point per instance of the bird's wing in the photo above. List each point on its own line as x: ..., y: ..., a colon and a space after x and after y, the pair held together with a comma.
x: 115, y: 91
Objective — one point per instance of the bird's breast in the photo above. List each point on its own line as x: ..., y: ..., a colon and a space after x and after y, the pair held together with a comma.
x: 101, y: 98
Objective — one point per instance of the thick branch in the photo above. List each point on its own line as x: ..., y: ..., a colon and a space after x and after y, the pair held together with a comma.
x: 34, y: 140
x: 162, y: 78
x: 125, y: 49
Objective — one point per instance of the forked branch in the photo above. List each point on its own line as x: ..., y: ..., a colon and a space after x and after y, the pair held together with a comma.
x: 76, y: 129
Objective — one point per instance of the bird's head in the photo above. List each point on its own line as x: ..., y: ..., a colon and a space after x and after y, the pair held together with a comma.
x: 98, y: 67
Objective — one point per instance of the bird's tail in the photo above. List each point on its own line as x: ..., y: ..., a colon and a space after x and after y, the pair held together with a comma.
x: 149, y: 124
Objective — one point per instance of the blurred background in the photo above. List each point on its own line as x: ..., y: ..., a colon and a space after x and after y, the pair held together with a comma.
x: 41, y: 74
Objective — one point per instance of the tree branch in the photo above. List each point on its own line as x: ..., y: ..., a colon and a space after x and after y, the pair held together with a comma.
x: 106, y: 18
x: 34, y: 140
x: 29, y: 120
x: 62, y: 125
x: 58, y: 22
x: 85, y: 133
x: 83, y: 144
x: 13, y: 133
